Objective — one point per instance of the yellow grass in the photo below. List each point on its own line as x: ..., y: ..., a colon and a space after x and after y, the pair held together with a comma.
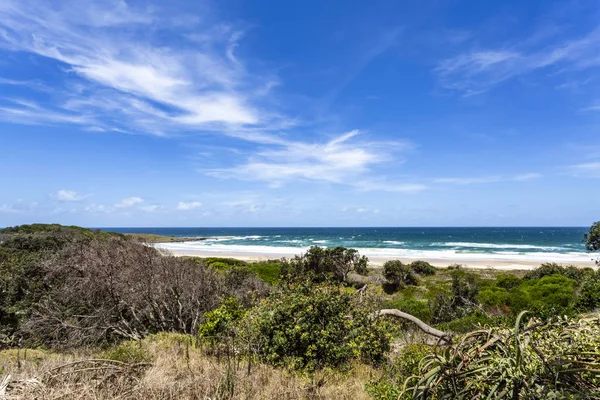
x: 165, y: 366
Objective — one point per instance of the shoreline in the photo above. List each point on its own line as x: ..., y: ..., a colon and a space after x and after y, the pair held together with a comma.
x: 500, y: 263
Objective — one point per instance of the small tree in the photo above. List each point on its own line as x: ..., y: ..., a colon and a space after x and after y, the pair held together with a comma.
x: 322, y: 264
x: 399, y: 274
x: 422, y: 267
x: 592, y: 239
x: 309, y: 327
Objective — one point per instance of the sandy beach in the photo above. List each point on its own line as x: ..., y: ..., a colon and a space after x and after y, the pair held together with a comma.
x: 468, y: 260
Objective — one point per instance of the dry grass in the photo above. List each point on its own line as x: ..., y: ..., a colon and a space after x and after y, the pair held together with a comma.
x: 165, y: 366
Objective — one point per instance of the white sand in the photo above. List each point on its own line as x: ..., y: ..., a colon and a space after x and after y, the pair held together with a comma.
x: 503, y: 263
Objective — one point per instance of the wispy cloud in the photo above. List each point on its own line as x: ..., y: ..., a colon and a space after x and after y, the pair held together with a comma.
x: 69, y: 195
x: 341, y: 160
x: 487, y: 179
x: 360, y: 210
x: 586, y: 170
x: 129, y: 202
x: 183, y: 206
x: 20, y: 207
x: 479, y: 70
x: 109, y: 52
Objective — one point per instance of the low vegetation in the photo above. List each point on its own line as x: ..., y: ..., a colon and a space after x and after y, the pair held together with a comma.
x: 90, y: 314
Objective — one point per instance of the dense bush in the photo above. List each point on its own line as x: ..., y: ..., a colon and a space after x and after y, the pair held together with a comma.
x: 399, y: 274
x: 592, y: 239
x: 418, y: 308
x: 589, y: 294
x: 220, y: 322
x: 307, y: 327
x: 570, y: 271
x: 323, y: 264
x: 422, y: 267
x: 115, y: 289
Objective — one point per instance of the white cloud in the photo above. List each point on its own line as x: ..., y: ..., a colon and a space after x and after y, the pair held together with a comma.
x: 488, y: 179
x: 129, y: 202
x: 182, y: 206
x: 589, y: 170
x: 341, y: 160
x: 478, y: 71
x: 378, y: 185
x: 122, y: 72
x: 19, y: 207
x: 151, y: 209
x: 360, y: 210
x: 69, y: 195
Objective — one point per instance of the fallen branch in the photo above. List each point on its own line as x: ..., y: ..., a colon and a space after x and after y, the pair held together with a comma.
x: 443, y: 336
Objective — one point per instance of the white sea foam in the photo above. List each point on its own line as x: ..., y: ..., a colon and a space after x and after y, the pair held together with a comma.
x: 394, y: 242
x: 319, y: 241
x: 497, y: 246
x: 449, y: 255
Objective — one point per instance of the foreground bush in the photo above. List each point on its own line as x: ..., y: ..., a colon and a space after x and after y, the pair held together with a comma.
x: 551, y: 360
x: 307, y: 327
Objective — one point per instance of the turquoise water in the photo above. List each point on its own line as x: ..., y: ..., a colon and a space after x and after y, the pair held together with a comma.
x: 526, y: 244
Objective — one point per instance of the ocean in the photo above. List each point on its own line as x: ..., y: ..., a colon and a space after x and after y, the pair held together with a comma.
x: 478, y: 244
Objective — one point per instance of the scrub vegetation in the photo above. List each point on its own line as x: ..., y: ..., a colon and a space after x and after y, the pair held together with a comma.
x: 91, y: 314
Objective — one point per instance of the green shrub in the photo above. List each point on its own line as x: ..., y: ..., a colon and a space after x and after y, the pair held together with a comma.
x: 322, y: 264
x: 223, y: 263
x: 267, y: 271
x: 467, y: 323
x: 589, y: 295
x: 399, y: 274
x: 419, y: 309
x: 570, y: 271
x: 544, y: 297
x: 423, y: 267
x: 131, y: 351
x: 507, y: 282
x: 493, y: 296
x: 220, y: 322
x: 307, y: 328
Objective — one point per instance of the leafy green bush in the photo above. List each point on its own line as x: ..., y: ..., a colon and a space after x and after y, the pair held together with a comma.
x: 589, y: 294
x: 307, y: 327
x: 570, y: 271
x: 130, y: 351
x: 323, y: 264
x: 419, y: 309
x: 592, y: 239
x: 267, y: 271
x: 423, y: 267
x: 220, y: 322
x: 493, y: 297
x: 507, y: 282
x: 544, y: 297
x: 467, y: 323
x: 223, y: 263
x: 399, y: 274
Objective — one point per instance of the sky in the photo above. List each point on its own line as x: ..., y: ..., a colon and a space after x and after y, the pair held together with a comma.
x: 300, y: 113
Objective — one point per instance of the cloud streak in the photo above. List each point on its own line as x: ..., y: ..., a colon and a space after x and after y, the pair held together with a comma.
x: 109, y: 51
x: 480, y: 70
x: 341, y: 160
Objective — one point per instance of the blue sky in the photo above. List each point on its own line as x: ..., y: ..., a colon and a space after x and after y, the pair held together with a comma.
x: 300, y: 113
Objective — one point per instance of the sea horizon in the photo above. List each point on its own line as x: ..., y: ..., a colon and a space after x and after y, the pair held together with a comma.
x: 475, y: 246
